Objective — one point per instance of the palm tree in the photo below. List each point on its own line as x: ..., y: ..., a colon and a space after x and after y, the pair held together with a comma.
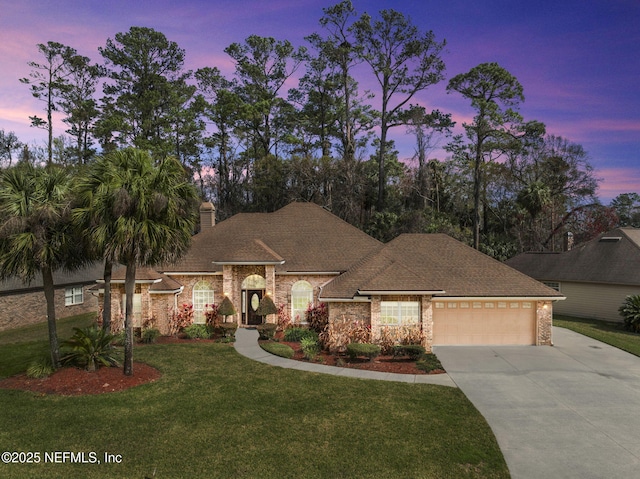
x: 36, y: 231
x: 149, y: 212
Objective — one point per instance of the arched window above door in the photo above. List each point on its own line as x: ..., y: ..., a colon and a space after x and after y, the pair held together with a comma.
x: 255, y: 281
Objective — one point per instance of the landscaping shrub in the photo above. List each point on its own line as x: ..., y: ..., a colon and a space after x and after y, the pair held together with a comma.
x: 412, y: 351
x: 181, y: 319
x: 212, y: 315
x: 296, y: 334
x: 391, y: 336
x: 317, y: 317
x: 90, y: 348
x: 40, y: 368
x: 341, y: 332
x: 119, y: 338
x: 267, y: 330
x: 150, y: 335
x: 284, y: 318
x: 310, y: 348
x: 279, y: 349
x: 228, y: 330
x: 367, y: 350
x: 197, y: 331
x: 630, y: 311
x: 429, y: 362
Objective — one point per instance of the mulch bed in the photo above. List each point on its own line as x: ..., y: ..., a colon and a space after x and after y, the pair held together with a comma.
x: 72, y: 381
x: 385, y: 364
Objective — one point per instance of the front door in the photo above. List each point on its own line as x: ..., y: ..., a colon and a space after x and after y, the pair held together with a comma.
x: 253, y: 301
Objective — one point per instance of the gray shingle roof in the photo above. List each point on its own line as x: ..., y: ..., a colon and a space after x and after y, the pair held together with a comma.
x: 612, y: 257
x: 86, y: 275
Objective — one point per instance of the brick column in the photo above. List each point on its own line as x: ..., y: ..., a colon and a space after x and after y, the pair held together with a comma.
x: 375, y: 318
x: 427, y: 322
x: 544, y: 315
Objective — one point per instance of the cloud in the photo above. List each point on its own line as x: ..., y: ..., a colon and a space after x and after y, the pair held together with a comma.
x: 617, y: 181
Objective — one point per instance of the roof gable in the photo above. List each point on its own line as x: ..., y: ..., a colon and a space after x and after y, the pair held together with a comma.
x: 437, y: 263
x: 301, y: 237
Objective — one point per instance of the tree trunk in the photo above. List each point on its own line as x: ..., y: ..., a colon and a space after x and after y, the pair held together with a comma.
x: 49, y: 294
x: 381, y: 170
x: 129, y: 288
x: 106, y: 308
x: 477, y: 180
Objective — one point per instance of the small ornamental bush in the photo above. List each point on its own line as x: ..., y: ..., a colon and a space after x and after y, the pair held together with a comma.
x: 391, y: 336
x: 228, y: 330
x: 278, y: 349
x: 411, y: 351
x: 267, y: 330
x: 150, y: 335
x: 90, y: 348
x: 295, y: 335
x: 40, y: 368
x: 212, y: 315
x: 630, y: 311
x: 429, y: 362
x: 181, y: 319
x: 366, y: 350
x: 341, y: 332
x: 317, y: 317
x: 284, y: 318
x: 197, y: 331
x: 310, y: 348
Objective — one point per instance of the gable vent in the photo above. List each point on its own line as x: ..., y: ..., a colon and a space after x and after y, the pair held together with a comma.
x: 610, y: 239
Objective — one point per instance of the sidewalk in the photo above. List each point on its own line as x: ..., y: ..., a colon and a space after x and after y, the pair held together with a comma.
x: 247, y: 345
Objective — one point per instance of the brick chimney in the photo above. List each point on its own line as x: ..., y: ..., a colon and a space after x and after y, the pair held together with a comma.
x: 207, y: 215
x: 568, y: 241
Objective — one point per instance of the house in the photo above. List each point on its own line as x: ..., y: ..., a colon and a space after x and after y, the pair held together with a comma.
x: 24, y: 304
x: 595, y: 277
x: 303, y: 254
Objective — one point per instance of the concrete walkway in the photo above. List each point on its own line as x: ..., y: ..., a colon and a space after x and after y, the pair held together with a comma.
x: 247, y: 344
x: 567, y: 411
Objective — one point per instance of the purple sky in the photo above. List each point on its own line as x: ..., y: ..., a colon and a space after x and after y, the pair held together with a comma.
x: 579, y: 62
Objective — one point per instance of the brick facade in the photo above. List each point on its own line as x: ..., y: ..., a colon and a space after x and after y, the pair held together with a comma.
x: 23, y: 309
x: 544, y: 315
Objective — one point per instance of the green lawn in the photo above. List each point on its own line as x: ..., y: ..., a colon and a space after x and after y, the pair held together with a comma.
x: 215, y: 413
x: 606, y: 331
x: 19, y: 347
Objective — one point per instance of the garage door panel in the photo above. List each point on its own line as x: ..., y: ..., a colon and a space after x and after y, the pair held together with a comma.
x: 499, y: 323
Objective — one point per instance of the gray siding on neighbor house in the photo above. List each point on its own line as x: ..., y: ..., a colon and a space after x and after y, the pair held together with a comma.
x: 590, y: 300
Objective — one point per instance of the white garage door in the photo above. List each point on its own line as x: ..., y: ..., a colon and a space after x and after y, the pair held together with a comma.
x: 483, y: 322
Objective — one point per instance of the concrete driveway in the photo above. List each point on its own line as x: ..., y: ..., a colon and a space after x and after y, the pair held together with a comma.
x: 567, y: 411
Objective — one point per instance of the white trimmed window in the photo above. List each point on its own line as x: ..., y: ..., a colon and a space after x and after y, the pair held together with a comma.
x: 136, y: 317
x: 202, y: 296
x: 552, y: 284
x: 73, y: 295
x: 399, y: 313
x: 301, y: 298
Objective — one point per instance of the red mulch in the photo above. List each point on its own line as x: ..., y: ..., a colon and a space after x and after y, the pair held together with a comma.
x: 385, y: 364
x: 78, y: 382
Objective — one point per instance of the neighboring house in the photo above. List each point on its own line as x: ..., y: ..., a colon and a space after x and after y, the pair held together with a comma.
x: 23, y: 304
x: 302, y: 255
x: 595, y: 277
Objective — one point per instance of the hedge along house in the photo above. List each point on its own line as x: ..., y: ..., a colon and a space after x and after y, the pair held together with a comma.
x: 302, y: 255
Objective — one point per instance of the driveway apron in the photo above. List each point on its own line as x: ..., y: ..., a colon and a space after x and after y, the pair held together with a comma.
x: 567, y: 411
